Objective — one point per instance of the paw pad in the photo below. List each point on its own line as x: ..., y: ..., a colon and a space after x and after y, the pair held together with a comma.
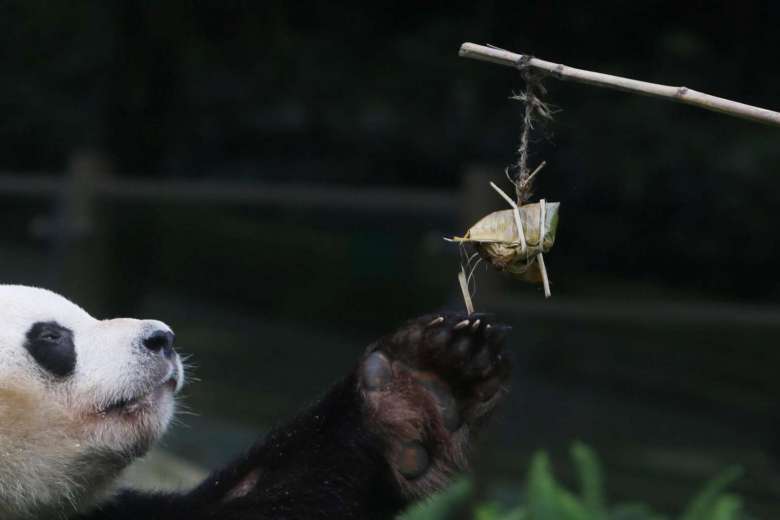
x: 411, y: 459
x: 377, y: 371
x: 428, y: 381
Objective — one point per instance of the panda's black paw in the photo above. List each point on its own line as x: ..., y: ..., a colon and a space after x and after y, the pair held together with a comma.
x: 427, y: 386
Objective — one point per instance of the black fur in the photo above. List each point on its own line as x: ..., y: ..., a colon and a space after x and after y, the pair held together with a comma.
x: 324, y: 464
x: 51, y: 345
x: 334, y: 460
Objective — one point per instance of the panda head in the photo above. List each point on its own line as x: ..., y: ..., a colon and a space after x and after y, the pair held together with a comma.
x: 80, y: 398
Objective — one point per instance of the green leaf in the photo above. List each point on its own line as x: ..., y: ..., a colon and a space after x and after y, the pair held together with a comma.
x: 634, y: 512
x: 546, y: 499
x: 703, y: 505
x: 549, y: 501
x: 442, y: 505
x: 569, y: 507
x: 493, y: 511
x: 488, y: 511
x: 591, y: 479
x: 515, y: 514
x: 542, y: 488
x: 728, y: 507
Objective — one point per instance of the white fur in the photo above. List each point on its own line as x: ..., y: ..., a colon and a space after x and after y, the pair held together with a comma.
x: 58, y: 453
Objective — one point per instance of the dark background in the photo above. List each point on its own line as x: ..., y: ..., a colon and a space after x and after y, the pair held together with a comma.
x: 141, y: 144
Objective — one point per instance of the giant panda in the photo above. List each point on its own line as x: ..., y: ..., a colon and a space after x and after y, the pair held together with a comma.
x: 81, y: 398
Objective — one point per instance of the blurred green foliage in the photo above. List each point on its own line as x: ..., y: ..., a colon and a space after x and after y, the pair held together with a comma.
x: 544, y: 498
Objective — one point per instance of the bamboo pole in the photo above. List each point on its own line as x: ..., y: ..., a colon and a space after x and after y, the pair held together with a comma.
x: 678, y: 94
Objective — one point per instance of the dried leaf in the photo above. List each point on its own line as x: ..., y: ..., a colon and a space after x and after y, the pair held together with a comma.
x: 496, y: 239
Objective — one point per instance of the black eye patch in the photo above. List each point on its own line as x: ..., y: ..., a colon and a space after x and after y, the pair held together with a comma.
x: 51, y: 345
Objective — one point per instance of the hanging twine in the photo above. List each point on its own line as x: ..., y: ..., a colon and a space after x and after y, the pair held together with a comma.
x: 535, y: 109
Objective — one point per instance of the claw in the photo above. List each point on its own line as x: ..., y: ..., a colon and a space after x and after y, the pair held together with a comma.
x: 475, y: 325
x: 461, y: 325
x: 436, y: 321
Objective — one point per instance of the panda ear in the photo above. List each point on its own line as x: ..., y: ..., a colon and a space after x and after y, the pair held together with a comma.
x: 52, y: 347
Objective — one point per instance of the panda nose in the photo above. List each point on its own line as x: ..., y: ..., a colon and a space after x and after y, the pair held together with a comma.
x: 160, y: 341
